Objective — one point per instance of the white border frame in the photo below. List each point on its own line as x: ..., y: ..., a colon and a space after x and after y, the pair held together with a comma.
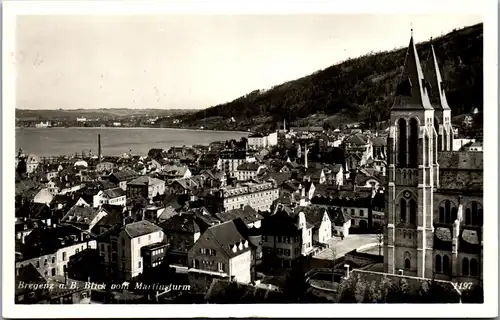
x: 489, y: 11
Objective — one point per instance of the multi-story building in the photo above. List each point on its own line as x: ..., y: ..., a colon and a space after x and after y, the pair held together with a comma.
x: 121, y: 248
x: 49, y: 249
x: 115, y: 196
x: 122, y: 177
x: 248, y: 171
x: 285, y: 238
x: 230, y: 160
x: 259, y: 196
x: 434, y: 194
x: 145, y: 186
x: 260, y: 141
x: 222, y: 252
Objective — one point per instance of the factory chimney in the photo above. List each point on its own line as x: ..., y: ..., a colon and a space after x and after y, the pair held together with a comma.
x: 99, y: 148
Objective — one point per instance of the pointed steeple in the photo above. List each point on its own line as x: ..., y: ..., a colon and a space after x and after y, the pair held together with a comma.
x: 412, y: 90
x: 437, y: 94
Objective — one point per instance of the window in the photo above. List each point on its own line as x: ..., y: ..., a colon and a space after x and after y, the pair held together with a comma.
x: 286, y: 239
x: 280, y: 251
x: 38, y: 264
x: 53, y: 271
x: 139, y: 240
x: 407, y: 258
x: 139, y: 264
x: 362, y: 212
x: 402, y: 209
x: 220, y: 266
x: 473, y: 267
x: 46, y: 273
x: 45, y: 262
x: 279, y: 239
x: 149, y: 237
x: 441, y: 214
x: 77, y: 250
x: 454, y: 212
x: 465, y: 267
x: 402, y: 150
x: 437, y: 264
x: 468, y: 216
x: 413, y: 211
x: 287, y: 252
x: 447, y: 208
x: 353, y: 212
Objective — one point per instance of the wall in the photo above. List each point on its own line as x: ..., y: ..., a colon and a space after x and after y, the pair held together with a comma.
x: 135, y: 251
x: 70, y: 251
x: 240, y: 267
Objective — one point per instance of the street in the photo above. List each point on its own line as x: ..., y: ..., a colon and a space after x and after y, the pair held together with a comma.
x: 349, y: 243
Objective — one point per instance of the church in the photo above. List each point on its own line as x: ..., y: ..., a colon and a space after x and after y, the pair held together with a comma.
x: 434, y: 196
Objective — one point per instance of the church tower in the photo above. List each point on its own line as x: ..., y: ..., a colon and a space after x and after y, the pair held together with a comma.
x: 409, y: 234
x: 442, y: 111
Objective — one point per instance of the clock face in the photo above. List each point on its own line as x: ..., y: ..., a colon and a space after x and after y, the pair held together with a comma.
x: 407, y: 194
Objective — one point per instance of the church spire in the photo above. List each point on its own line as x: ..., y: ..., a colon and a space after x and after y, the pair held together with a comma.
x: 438, y: 96
x: 412, y: 90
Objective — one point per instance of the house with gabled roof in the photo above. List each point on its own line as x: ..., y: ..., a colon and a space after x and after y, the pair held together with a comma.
x: 246, y: 213
x: 84, y: 217
x: 115, y: 196
x: 223, y: 251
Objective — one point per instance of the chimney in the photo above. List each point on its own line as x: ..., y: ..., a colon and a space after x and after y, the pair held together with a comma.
x: 305, y: 156
x: 99, y: 147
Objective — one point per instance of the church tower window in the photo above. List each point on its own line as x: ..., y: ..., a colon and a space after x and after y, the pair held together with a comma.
x: 403, y: 210
x: 413, y: 145
x: 413, y: 211
x: 402, y: 152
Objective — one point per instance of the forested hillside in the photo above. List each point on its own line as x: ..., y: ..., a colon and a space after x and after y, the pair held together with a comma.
x: 357, y: 90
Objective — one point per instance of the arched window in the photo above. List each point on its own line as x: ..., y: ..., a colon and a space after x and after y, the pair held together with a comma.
x: 447, y: 208
x: 473, y: 267
x: 413, y: 211
x: 413, y: 145
x: 409, y: 174
x: 402, y: 143
x: 407, y: 257
x: 454, y: 213
x: 446, y: 264
x: 468, y: 217
x: 438, y: 263
x: 441, y: 214
x: 465, y: 267
x: 402, y: 210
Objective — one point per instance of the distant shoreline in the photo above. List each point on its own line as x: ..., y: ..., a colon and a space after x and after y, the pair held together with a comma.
x: 152, y: 128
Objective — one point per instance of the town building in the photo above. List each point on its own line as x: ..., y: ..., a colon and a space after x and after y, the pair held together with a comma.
x: 222, y: 252
x: 121, y: 248
x: 434, y: 195
x: 259, y: 196
x: 115, y: 196
x: 145, y: 186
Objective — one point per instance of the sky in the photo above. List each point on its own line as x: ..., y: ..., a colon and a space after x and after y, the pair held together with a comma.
x: 196, y: 61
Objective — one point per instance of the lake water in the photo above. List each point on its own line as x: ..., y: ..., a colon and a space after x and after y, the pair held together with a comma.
x: 114, y: 141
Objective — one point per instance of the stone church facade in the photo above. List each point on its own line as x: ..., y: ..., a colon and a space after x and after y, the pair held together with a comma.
x: 434, y: 196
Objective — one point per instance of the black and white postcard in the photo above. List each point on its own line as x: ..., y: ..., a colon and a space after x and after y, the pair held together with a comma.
x: 239, y: 159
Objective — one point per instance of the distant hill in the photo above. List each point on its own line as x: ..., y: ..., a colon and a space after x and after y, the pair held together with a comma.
x: 62, y: 114
x: 357, y: 90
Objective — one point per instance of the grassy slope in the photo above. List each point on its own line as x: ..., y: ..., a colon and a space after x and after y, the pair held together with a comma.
x: 359, y: 89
